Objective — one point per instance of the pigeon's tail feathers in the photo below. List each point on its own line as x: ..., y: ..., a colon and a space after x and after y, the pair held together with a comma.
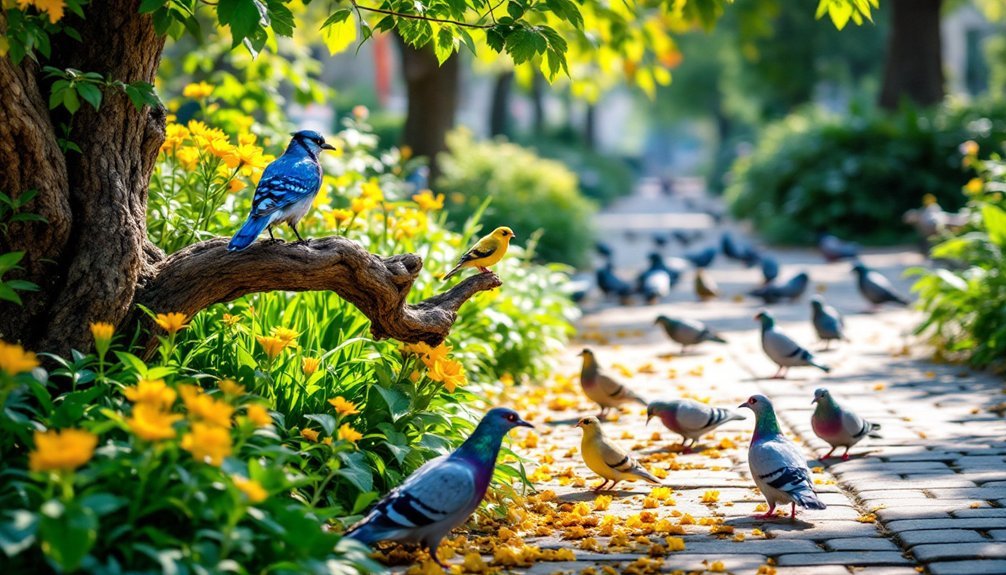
x: 807, y: 499
x: 248, y: 232
x: 900, y: 300
x: 818, y: 365
x: 874, y: 428
x: 641, y: 472
x: 717, y: 338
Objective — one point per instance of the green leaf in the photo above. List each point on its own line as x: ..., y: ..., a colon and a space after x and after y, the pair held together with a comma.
x: 67, y: 533
x: 91, y: 94
x: 339, y: 16
x: 363, y: 500
x: 326, y: 421
x: 70, y: 101
x: 566, y: 10
x: 243, y: 17
x: 148, y: 6
x: 103, y: 503
x: 525, y: 43
x: 339, y: 34
x: 995, y: 224
x: 10, y: 260
x: 398, y: 404
x: 8, y: 294
x: 444, y: 46
x: 280, y: 18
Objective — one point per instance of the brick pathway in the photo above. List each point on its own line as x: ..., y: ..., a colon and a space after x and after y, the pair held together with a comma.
x: 928, y: 497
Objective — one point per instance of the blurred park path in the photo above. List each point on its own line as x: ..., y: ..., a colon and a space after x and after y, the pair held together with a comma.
x: 930, y: 496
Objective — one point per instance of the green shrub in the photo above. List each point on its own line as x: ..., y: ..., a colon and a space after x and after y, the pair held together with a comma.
x: 602, y: 177
x: 966, y: 306
x: 856, y: 175
x: 527, y: 194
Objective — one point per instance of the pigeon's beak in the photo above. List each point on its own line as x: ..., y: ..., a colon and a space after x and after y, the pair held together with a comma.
x: 522, y: 423
x: 327, y: 146
x: 581, y: 354
x: 649, y: 416
x: 813, y: 401
x: 577, y: 424
x: 743, y: 405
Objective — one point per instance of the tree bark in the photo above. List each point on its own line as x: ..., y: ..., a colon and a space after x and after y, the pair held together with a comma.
x: 432, y: 90
x: 92, y: 258
x: 499, y: 109
x: 914, y: 67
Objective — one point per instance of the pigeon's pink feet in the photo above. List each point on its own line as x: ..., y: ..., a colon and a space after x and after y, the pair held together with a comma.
x: 792, y: 513
x: 845, y: 456
x: 827, y: 455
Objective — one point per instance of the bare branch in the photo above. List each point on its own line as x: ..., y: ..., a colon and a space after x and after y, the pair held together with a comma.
x: 206, y: 273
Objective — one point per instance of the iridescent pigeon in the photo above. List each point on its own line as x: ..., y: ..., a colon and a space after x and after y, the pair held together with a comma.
x: 828, y: 323
x: 442, y: 494
x: 777, y: 466
x: 875, y: 287
x: 690, y: 419
x: 782, y: 350
x: 838, y: 427
x: 601, y: 388
x: 688, y: 331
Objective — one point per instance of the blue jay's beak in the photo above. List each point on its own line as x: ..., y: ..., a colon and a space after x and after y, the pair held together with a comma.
x: 327, y: 146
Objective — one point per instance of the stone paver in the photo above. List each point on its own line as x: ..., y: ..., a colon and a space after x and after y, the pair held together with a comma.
x: 993, y: 567
x: 942, y: 551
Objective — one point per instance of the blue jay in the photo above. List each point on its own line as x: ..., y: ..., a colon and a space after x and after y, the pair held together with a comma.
x: 286, y: 190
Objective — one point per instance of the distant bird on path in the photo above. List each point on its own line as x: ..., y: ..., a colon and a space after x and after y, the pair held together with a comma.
x: 769, y: 268
x: 601, y: 388
x: 838, y: 427
x: 687, y: 331
x: 875, y: 287
x: 705, y: 286
x: 286, y: 190
x: 486, y: 252
x: 828, y: 322
x: 782, y: 350
x: 689, y: 418
x: 702, y: 258
x: 607, y: 459
x: 834, y: 249
x: 791, y: 290
x: 442, y: 494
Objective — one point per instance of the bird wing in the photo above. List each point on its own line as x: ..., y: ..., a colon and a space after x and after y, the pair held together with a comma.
x: 615, y: 390
x: 284, y: 184
x: 777, y: 463
x: 781, y: 348
x: 482, y: 249
x: 622, y: 461
x: 699, y: 417
x: 435, y: 492
x: 879, y: 287
x: 854, y: 425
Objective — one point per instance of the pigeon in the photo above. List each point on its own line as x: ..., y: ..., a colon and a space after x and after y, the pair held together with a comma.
x: 769, y: 269
x: 688, y: 331
x: 442, y: 494
x: 828, y: 323
x: 608, y: 460
x: 785, y: 352
x: 604, y: 250
x: 875, y: 287
x: 777, y: 466
x: 791, y: 290
x: 611, y: 284
x: 737, y: 250
x: 705, y: 286
x: 656, y: 281
x: 690, y: 419
x: 836, y: 426
x: 686, y: 238
x: 660, y: 241
x: 601, y: 388
x: 834, y: 249
x: 701, y: 258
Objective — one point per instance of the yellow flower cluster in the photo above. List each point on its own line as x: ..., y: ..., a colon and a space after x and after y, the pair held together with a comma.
x: 344, y: 407
x: 54, y: 8
x: 439, y: 367
x: 63, y: 450
x: 198, y: 91
x: 370, y: 197
x: 428, y: 201
x: 14, y: 359
x: 151, y: 418
x: 171, y: 322
x: 196, y: 142
x: 252, y: 489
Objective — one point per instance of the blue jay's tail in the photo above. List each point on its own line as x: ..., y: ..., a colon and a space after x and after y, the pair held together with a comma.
x: 248, y: 232
x: 362, y: 533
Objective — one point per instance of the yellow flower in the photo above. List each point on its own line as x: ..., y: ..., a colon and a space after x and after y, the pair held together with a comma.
x: 208, y: 409
x: 339, y: 216
x: 360, y: 112
x: 360, y: 205
x: 322, y: 198
x: 171, y: 322
x: 347, y: 433
x: 309, y: 434
x: 251, y: 155
x: 54, y: 8
x: 14, y: 359
x: 969, y: 148
x: 63, y: 450
x: 197, y: 91
x: 153, y: 392
x: 427, y: 201
x: 271, y: 345
x: 285, y: 334
x: 188, y: 157
x: 231, y: 320
x: 231, y: 387
x: 222, y: 148
x: 343, y: 407
x: 406, y: 152
x: 419, y: 348
x: 448, y: 372
x: 252, y: 489
x: 151, y: 423
x: 174, y: 136
x: 102, y: 333
x: 974, y: 186
x: 208, y: 442
x: 309, y: 365
x: 235, y: 185
x: 259, y: 415
x: 247, y: 139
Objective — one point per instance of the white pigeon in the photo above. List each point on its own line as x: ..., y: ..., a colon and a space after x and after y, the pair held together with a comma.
x: 836, y: 426
x: 777, y: 466
x: 785, y: 352
x: 442, y: 494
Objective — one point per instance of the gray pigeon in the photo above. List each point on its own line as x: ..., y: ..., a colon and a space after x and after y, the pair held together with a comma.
x: 836, y: 426
x: 785, y: 352
x: 689, y: 418
x: 442, y: 494
x: 875, y: 287
x: 828, y: 323
x: 687, y: 331
x: 601, y: 388
x: 777, y: 466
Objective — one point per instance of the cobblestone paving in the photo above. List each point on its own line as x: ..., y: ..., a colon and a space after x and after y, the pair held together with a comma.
x: 930, y: 496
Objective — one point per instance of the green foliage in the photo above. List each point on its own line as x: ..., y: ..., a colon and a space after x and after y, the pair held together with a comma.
x: 601, y: 177
x: 11, y: 211
x: 856, y: 175
x: 527, y: 193
x: 965, y: 305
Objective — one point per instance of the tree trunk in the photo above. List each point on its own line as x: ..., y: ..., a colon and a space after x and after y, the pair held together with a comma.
x: 590, y: 127
x: 433, y: 100
x: 914, y: 66
x: 92, y: 259
x: 499, y: 109
x: 538, y: 104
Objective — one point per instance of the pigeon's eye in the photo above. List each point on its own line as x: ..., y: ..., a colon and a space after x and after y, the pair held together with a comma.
x: 753, y: 400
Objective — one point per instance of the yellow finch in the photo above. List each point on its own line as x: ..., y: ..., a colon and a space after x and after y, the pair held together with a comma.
x: 608, y: 460
x: 488, y: 251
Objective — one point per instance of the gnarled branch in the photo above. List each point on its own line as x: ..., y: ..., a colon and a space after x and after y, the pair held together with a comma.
x: 206, y: 273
